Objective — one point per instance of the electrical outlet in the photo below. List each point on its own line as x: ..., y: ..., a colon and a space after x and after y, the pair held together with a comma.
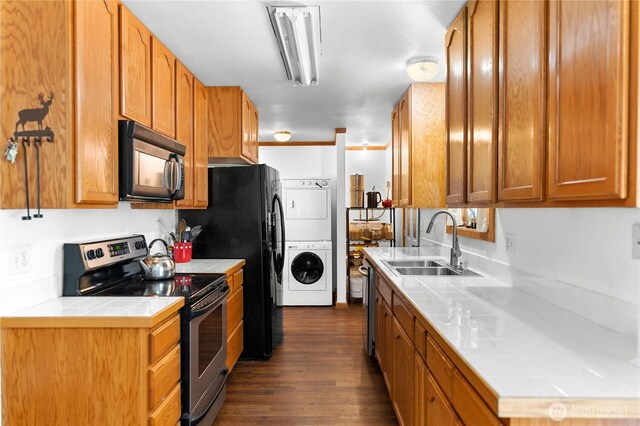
x: 511, y: 243
x: 20, y: 260
x: 635, y: 238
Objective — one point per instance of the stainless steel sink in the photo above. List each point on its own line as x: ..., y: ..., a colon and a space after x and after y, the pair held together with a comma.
x: 414, y: 263
x: 435, y: 271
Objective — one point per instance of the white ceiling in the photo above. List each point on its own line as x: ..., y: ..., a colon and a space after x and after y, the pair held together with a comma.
x: 365, y: 46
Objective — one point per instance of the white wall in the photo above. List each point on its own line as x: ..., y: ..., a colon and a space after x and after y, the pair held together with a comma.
x: 373, y: 165
x: 44, y: 238
x: 300, y: 161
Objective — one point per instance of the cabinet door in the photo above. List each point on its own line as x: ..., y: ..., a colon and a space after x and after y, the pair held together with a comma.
x: 439, y: 412
x: 184, y: 129
x: 163, y: 79
x: 403, y: 377
x: 246, y: 145
x: 96, y: 132
x: 135, y: 68
x: 387, y: 359
x: 378, y: 343
x: 456, y: 109
x: 420, y: 392
x: 201, y: 148
x: 395, y: 153
x: 588, y: 99
x: 404, y: 114
x: 253, y: 125
x: 482, y: 63
x: 522, y: 128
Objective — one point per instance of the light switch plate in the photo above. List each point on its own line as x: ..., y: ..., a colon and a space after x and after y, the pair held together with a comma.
x: 635, y: 239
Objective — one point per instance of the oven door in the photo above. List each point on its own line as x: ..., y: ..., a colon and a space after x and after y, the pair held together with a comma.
x: 208, y: 349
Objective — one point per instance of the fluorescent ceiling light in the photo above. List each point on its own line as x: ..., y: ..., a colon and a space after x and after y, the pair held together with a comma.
x: 282, y: 135
x: 424, y: 68
x: 297, y: 30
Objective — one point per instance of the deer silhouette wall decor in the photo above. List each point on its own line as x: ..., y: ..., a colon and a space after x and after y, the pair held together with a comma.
x: 35, y: 114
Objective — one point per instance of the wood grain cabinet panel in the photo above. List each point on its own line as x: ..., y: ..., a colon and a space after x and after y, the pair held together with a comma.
x: 235, y: 314
x: 233, y: 126
x: 522, y: 122
x: 378, y: 337
x: 456, y: 110
x: 135, y: 68
x: 201, y: 146
x: 163, y: 89
x: 439, y: 411
x: 588, y: 111
x: 185, y: 130
x: 404, y: 115
x: 96, y: 35
x: 395, y: 153
x: 420, y: 392
x: 482, y: 86
x: 387, y: 363
x: 403, y: 375
x: 418, y: 139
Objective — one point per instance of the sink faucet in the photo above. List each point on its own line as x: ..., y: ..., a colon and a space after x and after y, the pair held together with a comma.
x: 455, y: 248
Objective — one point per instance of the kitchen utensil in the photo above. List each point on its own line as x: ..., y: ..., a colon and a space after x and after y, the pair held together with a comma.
x: 38, y: 144
x: 182, y: 225
x: 25, y: 144
x: 158, y: 266
x: 373, y: 199
x: 195, y: 231
x: 186, y: 235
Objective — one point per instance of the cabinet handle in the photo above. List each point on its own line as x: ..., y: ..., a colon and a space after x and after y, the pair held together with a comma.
x: 433, y: 398
x: 398, y: 337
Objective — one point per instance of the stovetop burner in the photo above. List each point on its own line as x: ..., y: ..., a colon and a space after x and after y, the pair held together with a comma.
x: 191, y: 287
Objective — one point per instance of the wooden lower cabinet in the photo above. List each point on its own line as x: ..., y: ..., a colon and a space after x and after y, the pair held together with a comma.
x: 235, y: 313
x: 387, y: 356
x: 403, y: 363
x: 92, y: 375
x: 438, y: 410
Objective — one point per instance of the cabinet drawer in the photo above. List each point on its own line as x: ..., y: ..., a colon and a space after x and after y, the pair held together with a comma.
x: 403, y: 314
x: 238, y: 277
x: 163, y: 338
x: 230, y: 283
x: 470, y: 407
x: 234, y: 310
x: 169, y: 412
x: 385, y: 289
x: 163, y: 377
x: 235, y: 345
x: 420, y: 340
x: 439, y: 366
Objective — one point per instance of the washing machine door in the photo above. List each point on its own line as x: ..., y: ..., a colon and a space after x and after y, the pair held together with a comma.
x: 307, y: 268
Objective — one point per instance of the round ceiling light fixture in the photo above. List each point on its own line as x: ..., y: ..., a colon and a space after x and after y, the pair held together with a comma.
x: 423, y: 68
x: 282, y: 135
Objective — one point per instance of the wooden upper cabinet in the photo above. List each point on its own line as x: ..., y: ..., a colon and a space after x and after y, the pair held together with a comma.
x: 184, y: 129
x: 404, y: 114
x: 456, y: 110
x: 395, y: 153
x: 588, y: 100
x: 233, y: 126
x: 418, y: 147
x: 135, y: 68
x: 96, y: 132
x: 201, y: 147
x: 163, y: 78
x: 522, y: 126
x: 482, y: 86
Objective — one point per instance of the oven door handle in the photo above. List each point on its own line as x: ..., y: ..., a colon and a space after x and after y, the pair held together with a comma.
x: 213, y: 400
x: 207, y: 307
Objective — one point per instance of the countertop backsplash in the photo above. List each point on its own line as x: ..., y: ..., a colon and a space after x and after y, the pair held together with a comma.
x: 44, y: 239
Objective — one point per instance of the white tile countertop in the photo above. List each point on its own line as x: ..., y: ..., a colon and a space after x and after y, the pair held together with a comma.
x: 143, y: 311
x: 522, y: 346
x: 217, y: 266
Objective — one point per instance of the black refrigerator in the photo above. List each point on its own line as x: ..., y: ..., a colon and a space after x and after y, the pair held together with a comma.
x: 245, y: 220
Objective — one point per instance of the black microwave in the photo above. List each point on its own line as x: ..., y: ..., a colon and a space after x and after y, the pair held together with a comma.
x: 151, y: 165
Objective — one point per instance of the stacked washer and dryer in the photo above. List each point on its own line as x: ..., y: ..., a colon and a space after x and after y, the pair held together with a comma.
x: 307, y: 277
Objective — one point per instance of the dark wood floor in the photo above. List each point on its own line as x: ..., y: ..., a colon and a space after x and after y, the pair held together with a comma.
x: 318, y: 376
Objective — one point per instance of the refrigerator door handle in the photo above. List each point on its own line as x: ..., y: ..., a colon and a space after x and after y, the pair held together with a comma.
x: 278, y: 258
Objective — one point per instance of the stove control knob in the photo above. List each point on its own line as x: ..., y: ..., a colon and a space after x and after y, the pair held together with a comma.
x: 138, y: 245
x: 302, y: 183
x: 309, y: 183
x: 91, y: 255
x: 325, y: 183
x: 99, y: 253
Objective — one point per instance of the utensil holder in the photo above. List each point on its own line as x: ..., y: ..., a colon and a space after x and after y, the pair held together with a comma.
x: 182, y: 252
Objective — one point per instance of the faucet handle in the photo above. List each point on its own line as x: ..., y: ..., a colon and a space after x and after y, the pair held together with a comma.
x: 463, y: 266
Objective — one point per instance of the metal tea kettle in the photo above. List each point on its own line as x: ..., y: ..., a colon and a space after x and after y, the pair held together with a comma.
x: 158, y: 266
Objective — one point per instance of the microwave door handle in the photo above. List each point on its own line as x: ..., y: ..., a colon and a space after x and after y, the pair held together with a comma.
x: 179, y: 173
x: 168, y: 174
x: 176, y: 175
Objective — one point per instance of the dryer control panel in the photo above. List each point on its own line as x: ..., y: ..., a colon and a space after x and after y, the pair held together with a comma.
x: 307, y: 183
